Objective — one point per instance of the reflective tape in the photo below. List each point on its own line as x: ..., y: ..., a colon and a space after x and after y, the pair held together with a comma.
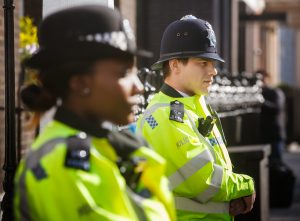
x: 189, y: 168
x: 147, y: 113
x: 137, y: 202
x: 214, y: 185
x: 186, y: 204
x: 35, y: 156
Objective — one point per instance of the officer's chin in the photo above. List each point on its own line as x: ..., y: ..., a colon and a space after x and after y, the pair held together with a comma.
x: 203, y: 92
x: 207, y: 90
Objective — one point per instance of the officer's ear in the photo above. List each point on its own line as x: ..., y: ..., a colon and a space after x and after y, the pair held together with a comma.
x: 174, y: 66
x: 80, y: 84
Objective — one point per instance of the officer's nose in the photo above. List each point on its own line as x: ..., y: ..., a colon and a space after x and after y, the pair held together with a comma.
x: 137, y: 85
x: 212, y: 68
x: 215, y: 72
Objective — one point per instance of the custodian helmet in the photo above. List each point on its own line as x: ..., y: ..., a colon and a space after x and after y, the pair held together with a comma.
x: 187, y: 37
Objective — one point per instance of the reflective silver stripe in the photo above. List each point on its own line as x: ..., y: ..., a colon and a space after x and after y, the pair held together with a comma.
x: 35, y: 156
x: 214, y: 186
x: 189, y: 168
x: 137, y: 201
x: 149, y: 111
x: 32, y: 160
x: 186, y: 204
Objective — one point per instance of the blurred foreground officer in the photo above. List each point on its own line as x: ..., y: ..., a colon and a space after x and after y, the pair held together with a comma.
x: 181, y: 127
x: 76, y: 169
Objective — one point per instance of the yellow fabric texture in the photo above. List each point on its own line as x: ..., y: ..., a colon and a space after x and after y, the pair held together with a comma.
x: 97, y: 194
x: 178, y: 143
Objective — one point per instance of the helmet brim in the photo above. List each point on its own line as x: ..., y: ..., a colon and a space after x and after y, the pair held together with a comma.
x: 45, y: 57
x: 159, y: 64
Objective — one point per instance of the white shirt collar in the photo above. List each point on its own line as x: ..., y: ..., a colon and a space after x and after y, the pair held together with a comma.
x: 183, y: 94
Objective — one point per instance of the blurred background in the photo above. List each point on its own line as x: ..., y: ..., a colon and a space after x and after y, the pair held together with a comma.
x: 253, y: 36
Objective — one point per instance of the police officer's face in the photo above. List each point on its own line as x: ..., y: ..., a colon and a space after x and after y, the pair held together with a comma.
x: 196, y: 76
x: 113, y: 86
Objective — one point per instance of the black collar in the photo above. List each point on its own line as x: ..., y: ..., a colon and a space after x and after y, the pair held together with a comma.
x: 73, y: 120
x: 171, y: 92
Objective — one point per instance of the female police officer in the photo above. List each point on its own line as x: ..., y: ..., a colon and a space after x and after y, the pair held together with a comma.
x: 76, y: 169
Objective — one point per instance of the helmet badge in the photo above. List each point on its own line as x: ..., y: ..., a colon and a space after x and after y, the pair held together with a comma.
x: 186, y: 17
x: 211, y: 35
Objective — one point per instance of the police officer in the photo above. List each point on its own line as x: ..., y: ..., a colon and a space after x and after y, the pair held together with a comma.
x: 186, y: 131
x: 77, y: 169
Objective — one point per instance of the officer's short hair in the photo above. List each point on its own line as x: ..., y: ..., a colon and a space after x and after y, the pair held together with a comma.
x: 166, y: 67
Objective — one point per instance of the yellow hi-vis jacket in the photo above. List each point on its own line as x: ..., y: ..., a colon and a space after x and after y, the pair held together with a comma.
x: 198, y: 168
x: 70, y: 176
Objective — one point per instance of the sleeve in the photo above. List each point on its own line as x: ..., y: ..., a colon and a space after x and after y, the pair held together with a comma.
x: 191, y: 169
x: 153, y: 177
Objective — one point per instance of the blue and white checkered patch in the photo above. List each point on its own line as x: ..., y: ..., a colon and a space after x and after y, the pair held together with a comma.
x: 213, y: 141
x: 151, y: 121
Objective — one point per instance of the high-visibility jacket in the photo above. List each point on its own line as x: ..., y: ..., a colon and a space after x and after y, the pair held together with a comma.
x: 69, y: 175
x: 198, y: 167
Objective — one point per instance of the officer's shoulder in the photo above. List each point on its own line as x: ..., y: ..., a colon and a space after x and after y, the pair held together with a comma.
x: 125, y: 142
x: 78, y: 152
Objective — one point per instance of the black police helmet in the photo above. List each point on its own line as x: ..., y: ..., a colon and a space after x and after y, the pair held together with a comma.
x: 187, y: 37
x: 81, y: 33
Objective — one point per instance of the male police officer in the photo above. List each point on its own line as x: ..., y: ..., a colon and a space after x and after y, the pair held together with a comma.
x: 186, y: 131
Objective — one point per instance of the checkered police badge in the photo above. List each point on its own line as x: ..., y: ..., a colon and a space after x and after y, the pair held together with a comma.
x: 151, y: 121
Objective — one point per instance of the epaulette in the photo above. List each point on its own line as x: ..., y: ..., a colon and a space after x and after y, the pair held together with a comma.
x: 176, y: 111
x: 78, y: 152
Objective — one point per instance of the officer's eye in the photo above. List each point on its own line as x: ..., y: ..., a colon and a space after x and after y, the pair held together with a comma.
x: 202, y: 63
x: 205, y: 63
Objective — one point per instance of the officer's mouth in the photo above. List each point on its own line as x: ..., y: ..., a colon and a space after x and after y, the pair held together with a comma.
x: 209, y: 82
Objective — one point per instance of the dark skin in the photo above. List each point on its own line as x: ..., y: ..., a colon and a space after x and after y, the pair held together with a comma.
x: 106, y: 93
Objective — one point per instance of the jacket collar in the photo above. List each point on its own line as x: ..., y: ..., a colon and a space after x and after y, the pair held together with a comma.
x: 71, y: 119
x: 171, y: 92
x: 192, y: 101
